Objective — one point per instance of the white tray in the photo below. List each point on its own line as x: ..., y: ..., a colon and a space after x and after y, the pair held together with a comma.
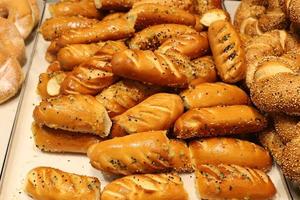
x: 8, y: 110
x: 23, y: 155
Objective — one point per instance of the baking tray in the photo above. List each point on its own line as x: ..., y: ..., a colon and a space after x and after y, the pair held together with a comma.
x: 23, y: 155
x: 8, y: 109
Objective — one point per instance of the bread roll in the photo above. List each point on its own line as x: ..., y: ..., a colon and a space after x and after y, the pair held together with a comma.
x: 204, y: 122
x: 213, y: 94
x: 146, y: 187
x: 123, y: 95
x: 52, y: 140
x: 180, y: 157
x: 114, y: 15
x: 50, y: 183
x: 77, y: 113
x: 157, y: 112
x: 114, y: 4
x: 233, y: 182
x: 227, y: 51
x: 229, y: 151
x: 213, y: 15
x: 146, y: 152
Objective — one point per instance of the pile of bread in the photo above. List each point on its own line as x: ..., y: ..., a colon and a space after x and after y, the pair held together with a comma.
x: 17, y: 20
x: 134, y: 84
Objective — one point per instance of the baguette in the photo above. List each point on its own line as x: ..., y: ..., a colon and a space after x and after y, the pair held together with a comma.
x: 229, y: 151
x: 233, y: 182
x: 146, y: 152
x: 213, y: 94
x: 157, y: 112
x: 180, y: 157
x: 51, y: 140
x: 77, y: 113
x: 54, y: 184
x: 123, y: 95
x: 204, y: 122
x: 227, y: 51
x: 146, y: 187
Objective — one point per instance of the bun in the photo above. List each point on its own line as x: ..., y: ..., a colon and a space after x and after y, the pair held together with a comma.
x: 213, y: 15
x: 146, y: 187
x: 233, y: 182
x: 78, y: 113
x: 180, y: 157
x: 50, y: 183
x: 114, y: 15
x: 204, y: 122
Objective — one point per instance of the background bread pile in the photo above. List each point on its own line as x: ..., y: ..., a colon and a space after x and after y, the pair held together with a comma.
x: 135, y: 84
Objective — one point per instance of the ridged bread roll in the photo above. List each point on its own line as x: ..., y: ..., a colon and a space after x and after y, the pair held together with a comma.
x: 216, y: 121
x: 77, y: 113
x: 213, y: 94
x: 157, y: 112
x: 180, y: 157
x: 146, y: 187
x: 50, y: 183
x: 217, y: 151
x: 233, y: 182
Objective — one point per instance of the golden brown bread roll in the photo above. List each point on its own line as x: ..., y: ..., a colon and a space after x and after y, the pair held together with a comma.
x: 114, y: 4
x: 227, y: 51
x: 78, y: 113
x: 180, y: 157
x: 55, y: 140
x: 203, y: 6
x: 123, y: 95
x: 51, y: 53
x: 153, y: 36
x: 157, y: 112
x: 114, y: 15
x: 51, y: 183
x: 229, y: 151
x: 213, y: 94
x: 233, y: 182
x: 146, y: 187
x: 213, y: 15
x: 146, y: 152
x: 226, y: 120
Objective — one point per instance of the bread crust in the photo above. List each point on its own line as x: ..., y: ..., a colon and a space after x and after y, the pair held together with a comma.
x: 180, y: 157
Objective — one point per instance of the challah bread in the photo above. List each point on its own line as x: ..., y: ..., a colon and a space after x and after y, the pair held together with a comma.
x: 204, y: 122
x: 55, y: 140
x: 51, y: 183
x: 123, y: 95
x: 180, y: 157
x: 233, y: 182
x: 227, y: 51
x: 77, y: 113
x: 229, y: 151
x: 146, y: 187
x: 157, y: 112
x: 213, y: 94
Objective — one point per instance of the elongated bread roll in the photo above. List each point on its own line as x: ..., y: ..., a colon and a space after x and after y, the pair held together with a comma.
x: 213, y: 94
x: 227, y: 51
x: 123, y: 95
x: 146, y: 187
x: 50, y: 183
x: 114, y: 15
x: 157, y: 112
x: 203, y: 122
x: 213, y: 15
x: 233, y: 182
x: 114, y: 4
x: 146, y: 152
x: 78, y: 113
x: 229, y: 151
x: 180, y: 157
x: 55, y: 140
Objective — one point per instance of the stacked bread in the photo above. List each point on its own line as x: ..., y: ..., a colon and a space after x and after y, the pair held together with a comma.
x: 134, y: 89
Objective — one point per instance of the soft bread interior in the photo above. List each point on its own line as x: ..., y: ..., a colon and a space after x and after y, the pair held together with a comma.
x: 213, y: 15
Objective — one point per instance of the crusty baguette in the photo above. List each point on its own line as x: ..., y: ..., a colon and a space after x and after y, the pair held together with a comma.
x: 229, y: 151
x: 78, y: 113
x: 54, y: 184
x: 123, y: 95
x: 233, y: 182
x: 213, y: 94
x: 226, y: 120
x: 227, y: 51
x: 55, y: 140
x: 180, y: 157
x: 146, y: 187
x: 157, y: 112
x: 146, y: 152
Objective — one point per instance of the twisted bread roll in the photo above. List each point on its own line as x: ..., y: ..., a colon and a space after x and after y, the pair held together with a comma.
x: 50, y: 183
x: 123, y: 95
x: 233, y: 182
x: 78, y: 113
x: 157, y: 112
x: 146, y: 187
x: 205, y: 122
